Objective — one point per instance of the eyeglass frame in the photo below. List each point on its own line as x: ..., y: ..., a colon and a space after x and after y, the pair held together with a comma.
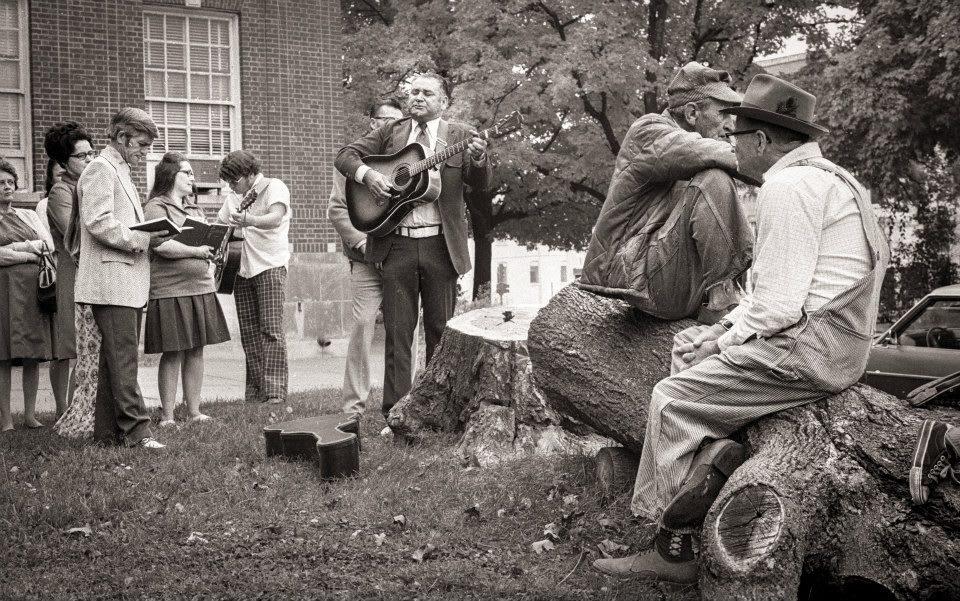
x: 89, y: 155
x: 187, y: 171
x: 743, y: 132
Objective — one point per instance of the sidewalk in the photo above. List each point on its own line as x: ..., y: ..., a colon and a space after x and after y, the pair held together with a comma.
x: 310, y: 367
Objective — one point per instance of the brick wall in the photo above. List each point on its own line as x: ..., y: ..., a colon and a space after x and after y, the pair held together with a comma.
x: 87, y: 61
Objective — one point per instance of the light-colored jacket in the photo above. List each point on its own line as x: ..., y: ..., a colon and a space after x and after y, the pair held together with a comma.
x: 114, y: 267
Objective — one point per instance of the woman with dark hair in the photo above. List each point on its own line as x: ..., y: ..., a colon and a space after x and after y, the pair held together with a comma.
x: 183, y: 314
x: 24, y: 330
x: 70, y: 147
x: 76, y: 336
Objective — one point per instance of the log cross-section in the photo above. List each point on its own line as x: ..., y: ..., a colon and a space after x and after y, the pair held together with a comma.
x: 749, y: 525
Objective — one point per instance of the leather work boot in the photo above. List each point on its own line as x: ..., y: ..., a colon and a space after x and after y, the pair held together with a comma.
x: 673, y: 558
x: 709, y: 472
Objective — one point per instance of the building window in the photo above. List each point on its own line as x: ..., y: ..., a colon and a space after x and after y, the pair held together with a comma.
x: 15, y: 141
x: 191, y: 65
x: 577, y: 272
x: 534, y: 274
x: 563, y: 273
x: 501, y: 273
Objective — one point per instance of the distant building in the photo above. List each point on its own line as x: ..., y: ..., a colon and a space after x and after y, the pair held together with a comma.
x: 783, y: 64
x: 216, y: 75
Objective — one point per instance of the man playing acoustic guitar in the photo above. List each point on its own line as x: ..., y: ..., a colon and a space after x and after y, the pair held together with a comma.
x: 423, y: 257
x: 259, y: 290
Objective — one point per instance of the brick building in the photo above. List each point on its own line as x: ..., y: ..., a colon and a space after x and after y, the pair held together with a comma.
x: 216, y: 75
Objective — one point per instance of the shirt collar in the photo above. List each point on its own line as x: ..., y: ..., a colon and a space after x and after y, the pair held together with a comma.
x: 257, y: 181
x: 432, y: 127
x: 803, y: 152
x: 68, y: 178
x: 113, y: 155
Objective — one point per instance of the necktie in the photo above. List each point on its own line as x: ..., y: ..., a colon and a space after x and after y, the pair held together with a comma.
x: 423, y: 138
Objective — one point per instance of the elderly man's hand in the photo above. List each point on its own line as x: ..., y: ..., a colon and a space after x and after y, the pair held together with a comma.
x: 477, y: 146
x: 703, y: 346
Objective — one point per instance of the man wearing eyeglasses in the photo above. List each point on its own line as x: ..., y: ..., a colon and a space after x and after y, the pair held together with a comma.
x: 259, y: 290
x: 366, y: 280
x: 672, y: 234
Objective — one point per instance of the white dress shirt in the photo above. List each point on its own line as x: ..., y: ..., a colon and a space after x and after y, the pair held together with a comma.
x: 810, y: 247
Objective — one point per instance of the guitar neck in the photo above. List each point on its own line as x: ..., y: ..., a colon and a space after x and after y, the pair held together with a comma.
x: 435, y: 159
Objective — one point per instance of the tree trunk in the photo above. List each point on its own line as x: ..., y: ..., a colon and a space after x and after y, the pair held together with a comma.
x: 597, y: 360
x: 480, y: 207
x: 821, y: 509
x: 479, y: 383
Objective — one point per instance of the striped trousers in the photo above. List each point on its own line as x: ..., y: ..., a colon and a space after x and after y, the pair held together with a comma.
x: 260, y: 312
x: 708, y: 401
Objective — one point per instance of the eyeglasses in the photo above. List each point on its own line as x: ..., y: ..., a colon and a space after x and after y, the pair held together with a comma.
x: 187, y: 171
x: 89, y: 155
x: 741, y: 132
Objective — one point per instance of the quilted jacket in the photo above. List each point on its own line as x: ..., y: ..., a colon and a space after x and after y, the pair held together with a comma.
x: 656, y: 160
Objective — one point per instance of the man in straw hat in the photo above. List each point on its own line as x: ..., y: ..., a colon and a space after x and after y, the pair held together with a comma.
x: 672, y: 235
x: 802, y: 334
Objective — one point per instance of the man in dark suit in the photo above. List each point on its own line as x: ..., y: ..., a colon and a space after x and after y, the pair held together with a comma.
x: 423, y: 257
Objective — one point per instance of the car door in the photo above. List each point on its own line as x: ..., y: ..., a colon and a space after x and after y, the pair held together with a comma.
x: 922, y: 346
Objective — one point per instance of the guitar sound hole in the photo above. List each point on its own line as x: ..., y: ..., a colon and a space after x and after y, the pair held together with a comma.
x: 401, y: 177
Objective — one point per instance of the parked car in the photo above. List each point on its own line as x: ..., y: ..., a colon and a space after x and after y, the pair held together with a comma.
x: 920, y: 347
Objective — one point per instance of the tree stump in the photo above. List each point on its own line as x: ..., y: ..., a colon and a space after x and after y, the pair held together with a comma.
x: 479, y: 383
x: 822, y: 508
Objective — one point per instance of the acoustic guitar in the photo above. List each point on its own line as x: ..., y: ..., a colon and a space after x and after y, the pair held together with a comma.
x: 227, y: 258
x: 414, y: 178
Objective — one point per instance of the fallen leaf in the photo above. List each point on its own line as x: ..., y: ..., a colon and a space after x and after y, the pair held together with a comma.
x: 553, y: 531
x: 84, y: 530
x: 424, y: 552
x: 471, y: 470
x: 197, y: 537
x: 289, y: 409
x: 14, y: 469
x: 258, y: 486
x: 400, y: 520
x: 179, y: 507
x: 569, y: 499
x: 526, y: 503
x: 605, y: 523
x: 379, y: 538
x: 473, y: 511
x: 608, y: 547
x: 128, y: 581
x: 356, y: 533
x: 44, y: 474
x: 542, y: 546
x: 501, y: 512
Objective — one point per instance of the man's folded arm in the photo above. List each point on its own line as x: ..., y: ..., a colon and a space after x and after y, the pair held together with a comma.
x: 665, y: 153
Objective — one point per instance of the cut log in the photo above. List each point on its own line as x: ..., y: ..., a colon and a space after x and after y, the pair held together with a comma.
x: 479, y: 383
x: 597, y: 360
x: 822, y: 508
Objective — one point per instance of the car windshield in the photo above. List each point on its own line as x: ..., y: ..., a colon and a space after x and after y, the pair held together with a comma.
x: 937, y: 326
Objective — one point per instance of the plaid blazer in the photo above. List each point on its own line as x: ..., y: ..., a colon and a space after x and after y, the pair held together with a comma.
x: 114, y: 267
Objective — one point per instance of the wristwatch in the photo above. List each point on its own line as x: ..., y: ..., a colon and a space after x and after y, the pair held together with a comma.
x: 726, y: 323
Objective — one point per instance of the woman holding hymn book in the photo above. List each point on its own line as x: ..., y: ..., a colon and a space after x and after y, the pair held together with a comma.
x: 183, y: 313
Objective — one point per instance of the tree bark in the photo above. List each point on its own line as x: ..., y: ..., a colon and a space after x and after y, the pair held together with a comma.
x: 597, y: 360
x: 821, y: 509
x: 479, y: 383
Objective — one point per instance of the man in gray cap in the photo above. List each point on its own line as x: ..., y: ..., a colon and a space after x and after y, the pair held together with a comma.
x: 672, y: 235
x: 802, y: 334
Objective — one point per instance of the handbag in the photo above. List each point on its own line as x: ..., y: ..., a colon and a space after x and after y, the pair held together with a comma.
x: 47, y: 283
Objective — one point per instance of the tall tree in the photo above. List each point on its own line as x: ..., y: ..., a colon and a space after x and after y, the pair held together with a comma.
x: 580, y: 71
x: 889, y: 94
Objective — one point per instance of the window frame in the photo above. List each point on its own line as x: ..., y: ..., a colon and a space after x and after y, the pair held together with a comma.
x: 26, y: 131
x: 234, y: 105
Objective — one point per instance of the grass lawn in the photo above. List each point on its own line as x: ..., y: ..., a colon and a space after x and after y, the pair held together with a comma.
x: 211, y: 517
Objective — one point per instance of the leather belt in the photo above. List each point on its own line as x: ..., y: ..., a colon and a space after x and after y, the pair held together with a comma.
x: 423, y: 231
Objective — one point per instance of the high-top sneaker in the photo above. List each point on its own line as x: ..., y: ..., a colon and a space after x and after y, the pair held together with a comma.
x: 936, y: 456
x: 673, y: 558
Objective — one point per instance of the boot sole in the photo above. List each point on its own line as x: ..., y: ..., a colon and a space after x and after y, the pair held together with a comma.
x: 699, y: 490
x: 918, y: 492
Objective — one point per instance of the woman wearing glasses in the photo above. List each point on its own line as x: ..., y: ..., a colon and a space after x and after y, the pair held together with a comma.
x: 183, y: 314
x: 24, y: 330
x: 71, y: 147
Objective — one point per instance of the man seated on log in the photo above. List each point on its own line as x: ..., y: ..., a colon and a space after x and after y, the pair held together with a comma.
x: 802, y: 334
x: 672, y: 234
